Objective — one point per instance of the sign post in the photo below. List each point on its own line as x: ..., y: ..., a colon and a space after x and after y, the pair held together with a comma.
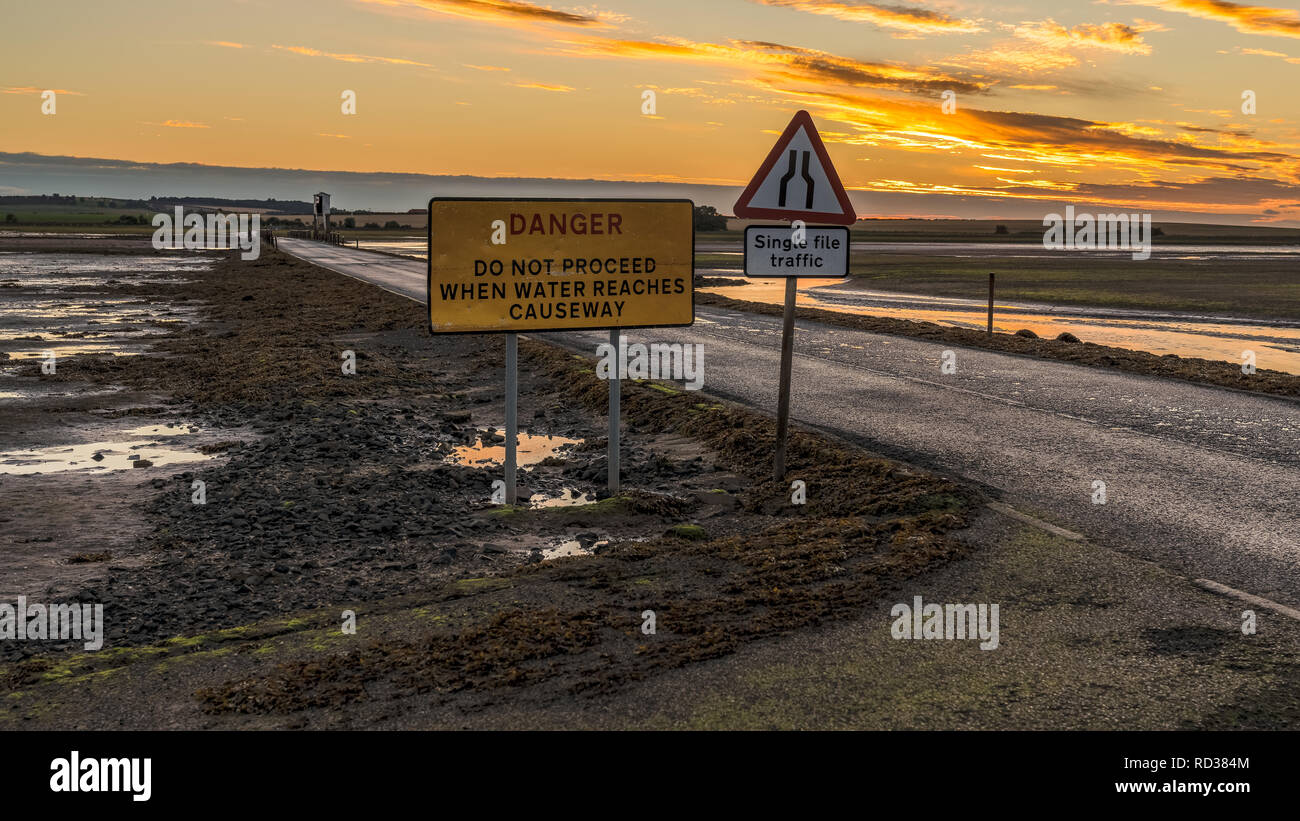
x: 516, y: 265
x: 512, y: 414
x: 783, y: 397
x: 796, y: 182
x: 990, y: 303
x: 615, y: 390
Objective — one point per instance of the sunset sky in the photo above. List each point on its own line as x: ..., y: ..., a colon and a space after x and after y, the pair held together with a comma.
x: 1129, y: 103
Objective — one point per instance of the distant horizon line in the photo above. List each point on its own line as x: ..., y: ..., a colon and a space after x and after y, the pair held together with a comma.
x: 27, y: 173
x: 129, y: 163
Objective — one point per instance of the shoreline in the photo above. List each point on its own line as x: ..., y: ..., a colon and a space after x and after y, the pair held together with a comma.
x: 1170, y: 366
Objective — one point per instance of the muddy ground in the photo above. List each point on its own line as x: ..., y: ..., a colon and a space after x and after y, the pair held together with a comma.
x: 328, y: 492
x: 138, y: 243
x: 331, y: 489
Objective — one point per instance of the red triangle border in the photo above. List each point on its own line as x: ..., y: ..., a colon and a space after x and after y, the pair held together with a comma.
x: 743, y: 209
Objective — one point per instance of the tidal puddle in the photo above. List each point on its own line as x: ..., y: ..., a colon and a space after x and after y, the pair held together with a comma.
x: 531, y: 449
x: 162, y: 430
x: 573, y: 547
x: 57, y: 302
x: 414, y: 248
x: 1276, y: 345
x: 569, y: 498
x: 39, y: 268
x: 61, y: 350
x: 105, y: 456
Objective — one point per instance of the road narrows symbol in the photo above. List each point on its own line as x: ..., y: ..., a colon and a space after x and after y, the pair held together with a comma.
x: 809, y: 182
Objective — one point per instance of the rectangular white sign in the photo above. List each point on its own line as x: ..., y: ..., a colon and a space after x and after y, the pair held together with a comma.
x: 772, y: 251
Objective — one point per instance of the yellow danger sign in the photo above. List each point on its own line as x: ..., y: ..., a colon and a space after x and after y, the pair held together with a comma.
x: 559, y: 265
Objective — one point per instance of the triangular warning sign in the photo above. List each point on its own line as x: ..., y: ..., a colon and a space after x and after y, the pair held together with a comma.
x: 797, y: 181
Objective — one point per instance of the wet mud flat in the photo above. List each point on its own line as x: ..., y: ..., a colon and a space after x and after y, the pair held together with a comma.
x: 373, y: 492
x: 316, y: 485
x: 67, y: 303
x: 89, y: 242
x: 75, y: 452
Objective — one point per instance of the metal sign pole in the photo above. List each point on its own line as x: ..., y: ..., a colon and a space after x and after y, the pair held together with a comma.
x: 990, y: 303
x: 787, y: 354
x: 512, y: 412
x: 615, y: 387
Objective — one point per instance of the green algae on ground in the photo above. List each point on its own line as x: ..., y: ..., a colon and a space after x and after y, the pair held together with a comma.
x: 688, y: 532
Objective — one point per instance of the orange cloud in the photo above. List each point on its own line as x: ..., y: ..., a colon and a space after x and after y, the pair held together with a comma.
x: 35, y: 90
x: 1266, y: 53
x: 1248, y: 19
x: 1065, y: 145
x: 181, y: 124
x: 544, y: 86
x: 1107, y: 36
x: 1013, y: 59
x: 909, y: 19
x: 497, y: 11
x: 780, y: 62
x: 226, y: 44
x: 350, y: 58
x: 484, y: 68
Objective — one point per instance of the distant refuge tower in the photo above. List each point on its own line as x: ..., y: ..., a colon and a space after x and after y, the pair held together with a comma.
x: 321, y: 215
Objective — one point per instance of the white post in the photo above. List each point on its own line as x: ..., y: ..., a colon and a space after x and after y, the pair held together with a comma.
x: 614, y: 390
x: 512, y: 412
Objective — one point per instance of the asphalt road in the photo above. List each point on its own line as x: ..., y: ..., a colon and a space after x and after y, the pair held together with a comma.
x: 1204, y: 481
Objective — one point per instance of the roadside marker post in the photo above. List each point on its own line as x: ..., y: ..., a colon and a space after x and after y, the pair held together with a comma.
x: 521, y: 265
x: 797, y: 181
x: 787, y: 358
x: 615, y: 397
x: 512, y: 414
x: 990, y: 303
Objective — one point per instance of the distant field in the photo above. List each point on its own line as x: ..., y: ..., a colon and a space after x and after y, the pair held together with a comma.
x: 1031, y: 231
x: 80, y: 218
x: 87, y: 214
x: 1266, y: 289
x: 76, y: 228
x: 1241, y: 287
x: 95, y: 219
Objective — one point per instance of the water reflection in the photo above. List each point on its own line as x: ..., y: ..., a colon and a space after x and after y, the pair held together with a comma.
x: 530, y: 449
x: 1275, y: 346
x: 107, y: 455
